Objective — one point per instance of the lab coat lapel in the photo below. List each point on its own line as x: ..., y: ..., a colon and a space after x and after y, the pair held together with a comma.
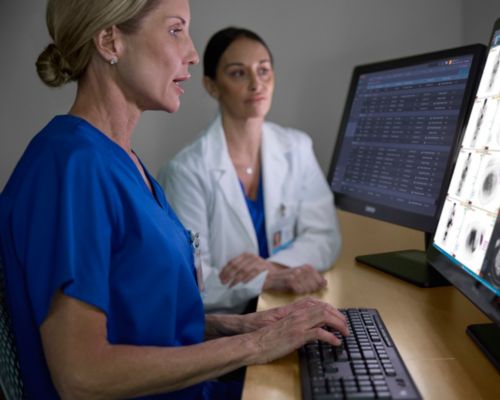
x: 225, y: 176
x: 275, y: 166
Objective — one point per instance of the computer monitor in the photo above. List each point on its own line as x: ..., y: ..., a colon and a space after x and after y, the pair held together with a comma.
x: 466, y: 246
x: 397, y: 142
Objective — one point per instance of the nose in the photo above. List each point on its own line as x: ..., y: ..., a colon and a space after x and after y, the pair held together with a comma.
x: 192, y: 56
x: 254, y: 82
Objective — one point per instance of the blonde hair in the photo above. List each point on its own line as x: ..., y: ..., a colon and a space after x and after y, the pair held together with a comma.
x: 72, y: 25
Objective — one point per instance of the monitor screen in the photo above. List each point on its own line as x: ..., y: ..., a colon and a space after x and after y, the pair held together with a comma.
x: 399, y: 134
x: 466, y: 246
x: 397, y: 143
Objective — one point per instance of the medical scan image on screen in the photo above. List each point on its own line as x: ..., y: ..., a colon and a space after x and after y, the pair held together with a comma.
x: 468, y: 230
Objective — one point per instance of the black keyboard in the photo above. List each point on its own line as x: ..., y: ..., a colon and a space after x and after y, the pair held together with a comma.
x: 366, y: 366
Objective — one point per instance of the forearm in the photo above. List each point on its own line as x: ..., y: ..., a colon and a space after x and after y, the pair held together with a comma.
x: 84, y: 365
x: 122, y: 371
x: 218, y: 325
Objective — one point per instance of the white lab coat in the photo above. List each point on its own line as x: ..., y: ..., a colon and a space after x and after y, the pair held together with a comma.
x: 202, y: 186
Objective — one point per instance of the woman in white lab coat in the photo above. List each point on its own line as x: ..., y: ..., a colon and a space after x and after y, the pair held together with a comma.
x: 253, y: 190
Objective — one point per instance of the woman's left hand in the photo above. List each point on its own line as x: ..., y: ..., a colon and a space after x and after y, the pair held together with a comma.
x: 260, y: 319
x: 243, y: 269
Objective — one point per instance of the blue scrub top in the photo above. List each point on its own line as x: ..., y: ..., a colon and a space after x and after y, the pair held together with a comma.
x: 77, y: 216
x: 257, y: 213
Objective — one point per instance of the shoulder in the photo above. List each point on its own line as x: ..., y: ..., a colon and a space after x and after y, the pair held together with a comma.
x: 190, y: 154
x: 189, y: 163
x: 62, y: 153
x: 205, y: 151
x: 286, y: 137
x: 61, y: 166
x: 188, y: 160
x: 69, y: 139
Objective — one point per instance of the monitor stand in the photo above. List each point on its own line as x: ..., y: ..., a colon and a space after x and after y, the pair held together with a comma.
x: 486, y: 337
x: 409, y: 265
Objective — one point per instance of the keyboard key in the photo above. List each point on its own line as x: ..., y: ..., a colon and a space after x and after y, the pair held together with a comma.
x: 368, y: 354
x: 360, y: 396
x: 319, y: 390
x: 329, y: 396
x: 331, y: 368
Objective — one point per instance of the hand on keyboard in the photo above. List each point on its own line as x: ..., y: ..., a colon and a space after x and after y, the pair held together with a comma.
x: 302, y: 322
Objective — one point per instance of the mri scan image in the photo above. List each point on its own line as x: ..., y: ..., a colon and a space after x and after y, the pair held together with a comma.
x: 494, y: 73
x: 474, y: 239
x: 447, y: 232
x: 486, y: 193
x: 476, y: 121
x: 490, y: 82
x: 496, y: 145
x: 495, y: 265
x: 491, y: 267
x: 465, y: 174
x: 491, y: 126
x: 449, y: 222
x: 484, y: 124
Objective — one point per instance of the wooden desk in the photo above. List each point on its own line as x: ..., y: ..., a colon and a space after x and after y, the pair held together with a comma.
x: 428, y: 325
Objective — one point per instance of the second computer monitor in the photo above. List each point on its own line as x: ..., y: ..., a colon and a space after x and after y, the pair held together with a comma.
x: 397, y: 144
x: 466, y: 248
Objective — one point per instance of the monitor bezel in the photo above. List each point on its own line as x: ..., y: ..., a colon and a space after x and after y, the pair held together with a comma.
x: 382, y: 212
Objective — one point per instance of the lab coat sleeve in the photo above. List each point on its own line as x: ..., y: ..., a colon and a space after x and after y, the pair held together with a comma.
x: 317, y: 239
x: 188, y: 191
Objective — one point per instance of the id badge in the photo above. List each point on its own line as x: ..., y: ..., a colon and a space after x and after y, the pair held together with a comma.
x: 195, y: 242
x: 283, y: 230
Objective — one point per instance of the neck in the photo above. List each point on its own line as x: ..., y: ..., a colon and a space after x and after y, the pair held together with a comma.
x: 243, y: 139
x: 102, y: 104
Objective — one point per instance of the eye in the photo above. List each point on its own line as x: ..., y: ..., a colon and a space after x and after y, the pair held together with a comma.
x: 264, y: 71
x: 175, y: 31
x: 236, y: 73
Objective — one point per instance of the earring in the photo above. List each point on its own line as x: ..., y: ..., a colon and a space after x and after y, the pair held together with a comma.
x: 113, y: 61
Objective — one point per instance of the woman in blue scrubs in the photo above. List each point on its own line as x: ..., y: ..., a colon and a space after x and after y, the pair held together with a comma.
x: 100, y: 276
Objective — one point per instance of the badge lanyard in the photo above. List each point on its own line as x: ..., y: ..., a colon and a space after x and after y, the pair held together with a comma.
x: 195, y: 242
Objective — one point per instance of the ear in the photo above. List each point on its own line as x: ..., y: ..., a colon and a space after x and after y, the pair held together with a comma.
x: 108, y: 43
x: 211, y: 87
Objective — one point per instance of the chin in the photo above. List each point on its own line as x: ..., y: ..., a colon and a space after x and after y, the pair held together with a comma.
x: 171, y: 107
x: 257, y: 114
x: 262, y: 110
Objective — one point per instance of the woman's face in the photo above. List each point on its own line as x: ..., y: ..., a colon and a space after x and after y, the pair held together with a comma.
x: 155, y: 60
x: 244, y: 82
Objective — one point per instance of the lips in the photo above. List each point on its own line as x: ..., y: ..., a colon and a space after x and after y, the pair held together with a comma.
x: 255, y: 99
x: 178, y: 81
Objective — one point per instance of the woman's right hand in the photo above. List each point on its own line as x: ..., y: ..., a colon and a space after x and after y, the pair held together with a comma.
x: 303, y: 323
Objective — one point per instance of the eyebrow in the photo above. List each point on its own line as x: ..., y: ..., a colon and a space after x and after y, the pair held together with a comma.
x: 239, y: 64
x: 182, y: 20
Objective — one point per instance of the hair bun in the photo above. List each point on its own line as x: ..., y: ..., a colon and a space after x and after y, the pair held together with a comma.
x: 52, y: 67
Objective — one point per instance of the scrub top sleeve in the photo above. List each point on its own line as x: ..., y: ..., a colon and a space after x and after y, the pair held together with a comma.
x: 63, y: 239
